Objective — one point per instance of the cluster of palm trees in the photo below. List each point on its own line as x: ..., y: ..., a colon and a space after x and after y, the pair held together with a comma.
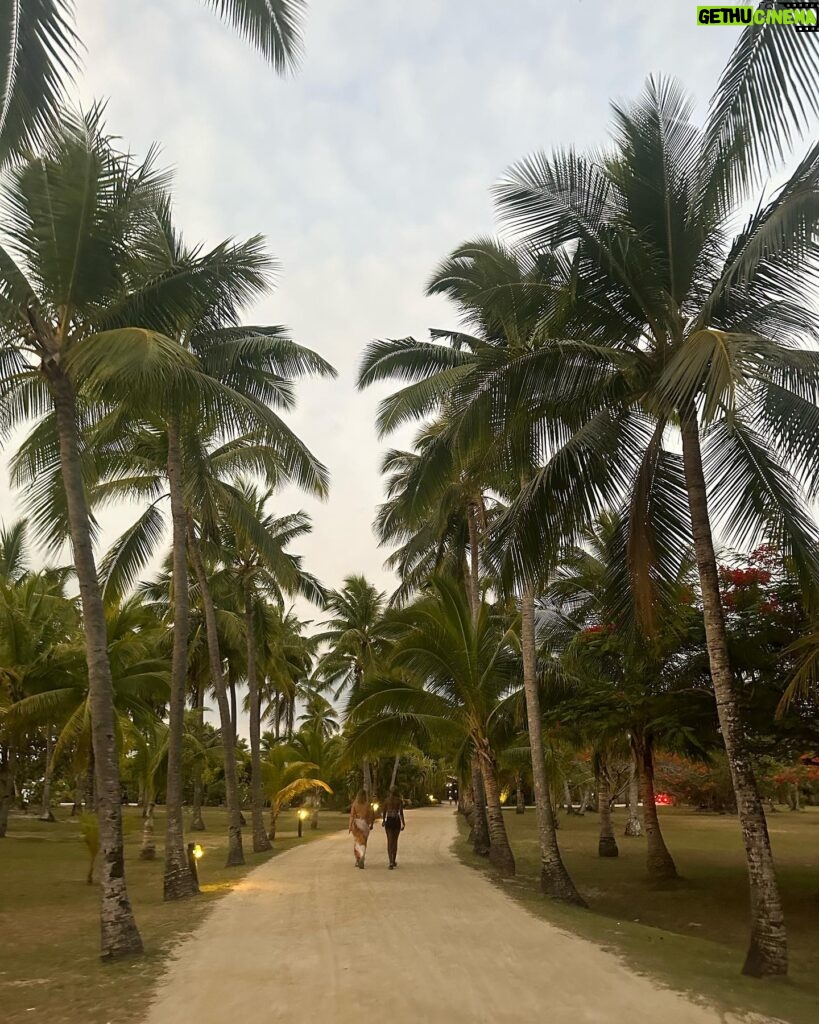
x: 635, y: 359
x: 630, y: 377
x: 126, y: 347
x: 117, y: 336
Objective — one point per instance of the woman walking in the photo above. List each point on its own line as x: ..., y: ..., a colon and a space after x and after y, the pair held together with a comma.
x: 393, y: 823
x: 361, y: 822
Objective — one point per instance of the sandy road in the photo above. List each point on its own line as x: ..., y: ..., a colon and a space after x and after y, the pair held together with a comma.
x: 307, y: 937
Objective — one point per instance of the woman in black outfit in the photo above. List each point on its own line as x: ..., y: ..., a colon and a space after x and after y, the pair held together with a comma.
x: 393, y: 822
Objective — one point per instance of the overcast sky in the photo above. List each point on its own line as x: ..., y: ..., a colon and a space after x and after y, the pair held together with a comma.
x: 368, y: 166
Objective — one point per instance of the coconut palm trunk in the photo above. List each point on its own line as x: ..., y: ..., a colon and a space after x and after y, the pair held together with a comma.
x: 768, y: 951
x: 394, y: 776
x: 659, y: 862
x: 633, y: 827
x: 234, y: 712
x: 179, y: 881
x: 235, y: 852
x: 76, y: 807
x: 607, y: 844
x: 148, y: 849
x: 90, y: 788
x: 45, y: 810
x: 120, y: 936
x: 554, y: 878
x: 474, y: 560
x: 480, y: 826
x: 520, y: 798
x: 500, y: 852
x: 260, y: 841
x: 197, y: 822
x: 8, y: 767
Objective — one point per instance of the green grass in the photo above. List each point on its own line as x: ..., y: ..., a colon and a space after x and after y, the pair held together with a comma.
x: 690, y: 934
x: 50, y: 969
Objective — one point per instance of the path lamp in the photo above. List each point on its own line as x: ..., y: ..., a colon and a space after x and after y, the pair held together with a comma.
x: 302, y: 815
x: 195, y: 853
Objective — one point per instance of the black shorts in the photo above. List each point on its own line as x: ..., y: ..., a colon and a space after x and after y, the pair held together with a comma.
x: 393, y: 824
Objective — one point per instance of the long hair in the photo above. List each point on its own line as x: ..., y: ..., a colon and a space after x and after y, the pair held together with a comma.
x: 393, y: 801
x: 361, y: 798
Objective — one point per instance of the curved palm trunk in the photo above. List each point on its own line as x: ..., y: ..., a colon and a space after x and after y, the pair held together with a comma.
x: 554, y: 878
x: 394, y: 775
x: 500, y: 852
x: 178, y: 881
x: 768, y: 950
x: 197, y: 823
x: 633, y: 827
x: 607, y: 844
x: 235, y: 852
x: 480, y: 827
x: 260, y: 841
x: 118, y: 927
x: 659, y: 862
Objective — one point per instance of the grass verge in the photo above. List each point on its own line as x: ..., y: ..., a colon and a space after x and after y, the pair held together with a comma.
x: 50, y: 969
x: 690, y: 934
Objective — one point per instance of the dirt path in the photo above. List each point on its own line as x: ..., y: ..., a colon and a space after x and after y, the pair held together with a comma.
x: 307, y: 937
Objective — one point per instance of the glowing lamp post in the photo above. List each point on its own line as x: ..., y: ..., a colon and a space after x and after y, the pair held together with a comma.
x: 195, y: 853
x: 302, y: 816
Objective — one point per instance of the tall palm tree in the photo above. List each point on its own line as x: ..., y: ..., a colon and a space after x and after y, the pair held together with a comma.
x: 356, y: 643
x: 687, y: 332
x: 507, y: 307
x: 73, y: 229
x: 43, y: 50
x: 465, y: 666
x: 252, y: 548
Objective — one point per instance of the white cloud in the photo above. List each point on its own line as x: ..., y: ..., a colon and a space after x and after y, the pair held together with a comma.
x: 369, y: 165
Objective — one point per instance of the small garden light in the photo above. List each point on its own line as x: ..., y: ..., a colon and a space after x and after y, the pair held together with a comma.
x: 302, y: 817
x: 195, y: 853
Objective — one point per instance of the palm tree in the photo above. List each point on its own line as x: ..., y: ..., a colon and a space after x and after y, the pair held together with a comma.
x: 74, y: 225
x: 252, y: 547
x: 313, y: 745
x: 285, y: 778
x: 43, y: 50
x: 356, y: 642
x: 684, y: 332
x: 38, y: 631
x: 287, y: 656
x: 319, y: 716
x: 507, y: 307
x: 632, y: 681
x: 465, y: 666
